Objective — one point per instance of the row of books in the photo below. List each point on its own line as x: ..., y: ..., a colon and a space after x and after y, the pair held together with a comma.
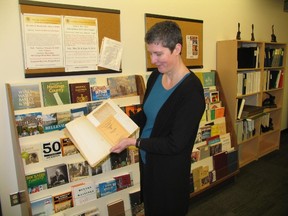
x: 74, y: 171
x: 82, y: 193
x: 210, y: 146
x: 35, y: 123
x: 248, y: 57
x: 59, y: 92
x: 214, y: 108
x: 245, y: 129
x: 212, y: 169
x: 248, y: 82
x: 273, y: 57
x: 273, y: 79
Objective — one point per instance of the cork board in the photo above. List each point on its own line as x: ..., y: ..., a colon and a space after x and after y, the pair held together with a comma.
x: 108, y: 26
x: 189, y: 27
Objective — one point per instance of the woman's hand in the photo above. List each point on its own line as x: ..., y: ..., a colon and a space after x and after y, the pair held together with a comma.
x: 123, y: 144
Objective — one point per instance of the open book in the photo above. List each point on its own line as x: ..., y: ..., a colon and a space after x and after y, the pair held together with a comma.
x: 96, y: 133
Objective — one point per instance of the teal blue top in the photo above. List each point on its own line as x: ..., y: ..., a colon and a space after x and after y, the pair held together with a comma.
x: 153, y: 104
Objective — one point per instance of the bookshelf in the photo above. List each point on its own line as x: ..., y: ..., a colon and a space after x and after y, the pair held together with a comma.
x: 25, y: 100
x: 215, y: 153
x: 255, y: 76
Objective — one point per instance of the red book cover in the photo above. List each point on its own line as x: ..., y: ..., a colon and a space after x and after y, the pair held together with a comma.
x: 80, y: 92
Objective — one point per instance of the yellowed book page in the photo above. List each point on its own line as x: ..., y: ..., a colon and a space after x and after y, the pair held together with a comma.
x: 112, y: 130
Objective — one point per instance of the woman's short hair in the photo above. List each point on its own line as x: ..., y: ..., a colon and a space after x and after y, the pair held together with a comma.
x: 166, y: 33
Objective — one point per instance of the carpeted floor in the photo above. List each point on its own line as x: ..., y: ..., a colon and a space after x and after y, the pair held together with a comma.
x: 260, y: 189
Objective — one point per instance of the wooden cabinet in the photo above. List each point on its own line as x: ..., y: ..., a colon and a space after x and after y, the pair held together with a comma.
x: 253, y: 71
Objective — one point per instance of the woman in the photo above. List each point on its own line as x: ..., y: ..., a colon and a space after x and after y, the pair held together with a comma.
x: 173, y: 106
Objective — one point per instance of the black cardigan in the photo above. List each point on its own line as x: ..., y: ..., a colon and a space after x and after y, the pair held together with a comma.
x: 165, y: 180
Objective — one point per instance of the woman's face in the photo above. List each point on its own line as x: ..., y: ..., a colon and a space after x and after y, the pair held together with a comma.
x: 162, y: 57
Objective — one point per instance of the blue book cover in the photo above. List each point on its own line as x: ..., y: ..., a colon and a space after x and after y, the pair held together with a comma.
x: 43, y: 206
x: 106, y: 188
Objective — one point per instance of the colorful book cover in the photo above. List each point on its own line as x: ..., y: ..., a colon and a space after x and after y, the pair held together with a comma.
x: 55, y: 93
x: 100, y: 92
x: 67, y: 146
x: 209, y: 79
x: 36, y: 182
x: 122, y: 86
x: 80, y: 92
x: 78, y: 170
x: 123, y: 181
x: 55, y: 121
x: 31, y: 153
x: 26, y: 96
x: 42, y: 206
x: 62, y: 201
x: 132, y: 109
x: 57, y: 175
x: 105, y: 188
x: 29, y: 124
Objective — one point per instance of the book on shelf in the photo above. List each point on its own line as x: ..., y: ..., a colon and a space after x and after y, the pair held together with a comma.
x: 106, y: 187
x: 220, y: 164
x: 137, y: 206
x: 55, y: 92
x: 251, y: 110
x: 62, y: 201
x: 94, y: 211
x: 29, y: 124
x: 247, y: 57
x: 122, y: 86
x: 31, y: 153
x: 42, y: 206
x: 83, y: 193
x: 116, y: 208
x: 57, y: 175
x: 79, y: 111
x: 80, y: 92
x: 96, y: 133
x: 207, y: 78
x: 67, y: 147
x: 51, y: 149
x: 25, y: 96
x: 100, y: 92
x: 78, y: 170
x: 123, y: 181
x: 240, y: 106
x: 36, y: 182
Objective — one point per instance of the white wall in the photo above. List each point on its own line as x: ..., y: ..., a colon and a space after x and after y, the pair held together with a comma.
x: 220, y: 23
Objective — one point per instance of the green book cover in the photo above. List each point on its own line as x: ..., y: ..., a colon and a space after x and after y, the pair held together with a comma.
x: 36, y: 182
x: 208, y: 79
x: 55, y: 93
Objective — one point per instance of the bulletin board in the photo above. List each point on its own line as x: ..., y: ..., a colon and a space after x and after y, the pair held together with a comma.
x: 108, y: 22
x: 189, y: 27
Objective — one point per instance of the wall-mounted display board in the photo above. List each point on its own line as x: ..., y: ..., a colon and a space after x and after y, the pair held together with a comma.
x: 65, y: 40
x: 192, y: 32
